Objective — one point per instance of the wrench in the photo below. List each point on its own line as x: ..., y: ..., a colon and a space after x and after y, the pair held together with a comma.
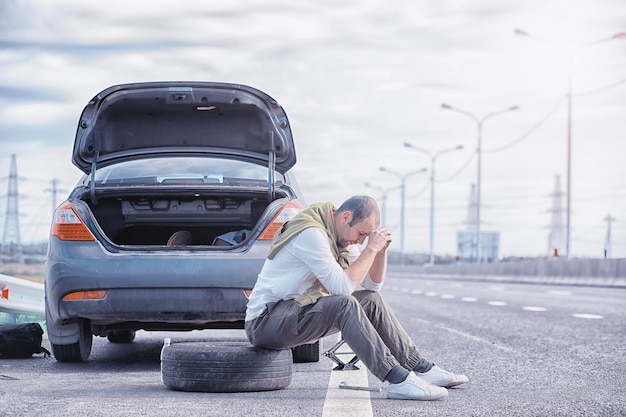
x: 344, y: 385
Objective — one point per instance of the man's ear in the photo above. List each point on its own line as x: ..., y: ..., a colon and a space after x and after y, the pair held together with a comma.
x: 346, y: 216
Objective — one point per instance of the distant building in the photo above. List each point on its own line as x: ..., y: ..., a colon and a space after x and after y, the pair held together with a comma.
x: 489, y: 246
x: 466, y: 239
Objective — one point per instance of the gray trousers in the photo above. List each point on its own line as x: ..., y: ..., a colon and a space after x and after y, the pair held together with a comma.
x: 364, y: 319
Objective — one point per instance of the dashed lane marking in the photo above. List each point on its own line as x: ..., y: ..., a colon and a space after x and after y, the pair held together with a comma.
x: 588, y: 316
x: 501, y: 303
x: 534, y: 308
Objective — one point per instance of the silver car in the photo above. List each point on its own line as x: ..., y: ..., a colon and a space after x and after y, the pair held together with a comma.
x: 184, y: 186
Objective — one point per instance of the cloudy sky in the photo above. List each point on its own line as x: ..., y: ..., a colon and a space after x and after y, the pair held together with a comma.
x: 358, y: 79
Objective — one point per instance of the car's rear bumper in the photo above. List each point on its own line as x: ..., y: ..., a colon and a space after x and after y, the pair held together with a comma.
x: 166, y: 290
x: 182, y: 306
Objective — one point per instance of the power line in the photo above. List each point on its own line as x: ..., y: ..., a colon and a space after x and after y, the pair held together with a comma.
x: 531, y: 130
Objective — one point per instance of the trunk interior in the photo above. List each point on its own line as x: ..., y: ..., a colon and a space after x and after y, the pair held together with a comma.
x: 152, y: 220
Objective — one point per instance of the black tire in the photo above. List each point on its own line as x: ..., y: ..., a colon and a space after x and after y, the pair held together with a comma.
x: 306, y: 353
x: 75, y: 352
x: 224, y: 367
x: 121, y: 336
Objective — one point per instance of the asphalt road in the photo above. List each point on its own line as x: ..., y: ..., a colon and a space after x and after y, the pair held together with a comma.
x: 529, y: 350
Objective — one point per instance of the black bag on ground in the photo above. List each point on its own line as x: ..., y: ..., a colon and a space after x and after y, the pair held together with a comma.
x: 21, y: 340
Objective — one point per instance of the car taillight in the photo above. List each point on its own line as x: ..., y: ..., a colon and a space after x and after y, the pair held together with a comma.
x: 67, y: 225
x: 287, y: 212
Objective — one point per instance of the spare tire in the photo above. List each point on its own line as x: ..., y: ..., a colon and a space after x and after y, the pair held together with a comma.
x: 224, y: 367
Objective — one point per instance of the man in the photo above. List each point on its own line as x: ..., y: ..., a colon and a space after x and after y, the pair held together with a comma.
x: 315, y: 282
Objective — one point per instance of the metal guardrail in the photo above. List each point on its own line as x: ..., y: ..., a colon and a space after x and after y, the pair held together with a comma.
x: 20, y: 296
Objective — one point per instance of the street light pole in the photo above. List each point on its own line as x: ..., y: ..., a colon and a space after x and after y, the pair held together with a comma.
x: 433, y: 158
x: 383, y: 208
x: 479, y: 123
x: 402, y: 203
x: 569, y: 126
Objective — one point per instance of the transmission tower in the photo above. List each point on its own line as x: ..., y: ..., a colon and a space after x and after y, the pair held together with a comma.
x: 11, y: 244
x: 55, y: 191
x: 472, y: 207
x: 556, y: 240
x: 466, y: 240
x: 607, y: 242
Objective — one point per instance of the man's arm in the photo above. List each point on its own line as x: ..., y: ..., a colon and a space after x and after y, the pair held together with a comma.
x: 373, y: 259
x: 378, y: 270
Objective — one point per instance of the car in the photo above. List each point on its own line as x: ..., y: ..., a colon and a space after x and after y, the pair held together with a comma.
x: 184, y: 185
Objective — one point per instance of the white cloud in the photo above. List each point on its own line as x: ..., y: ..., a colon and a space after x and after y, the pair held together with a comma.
x: 357, y: 79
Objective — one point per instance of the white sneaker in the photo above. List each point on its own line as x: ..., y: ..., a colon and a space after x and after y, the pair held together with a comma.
x: 442, y: 378
x: 414, y: 388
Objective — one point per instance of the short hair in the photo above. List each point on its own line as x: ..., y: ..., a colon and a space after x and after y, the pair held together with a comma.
x: 361, y: 207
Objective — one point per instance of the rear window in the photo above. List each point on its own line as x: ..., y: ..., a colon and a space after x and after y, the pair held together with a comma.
x: 183, y: 171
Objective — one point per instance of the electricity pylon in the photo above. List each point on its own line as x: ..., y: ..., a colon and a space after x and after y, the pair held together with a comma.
x: 11, y: 244
x: 556, y: 237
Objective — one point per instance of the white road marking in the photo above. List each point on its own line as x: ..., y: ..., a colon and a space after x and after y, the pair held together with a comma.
x: 469, y: 299
x: 534, y: 308
x: 346, y: 402
x: 447, y: 296
x: 416, y: 292
x: 587, y: 316
x: 478, y: 339
x: 430, y: 294
x: 497, y: 303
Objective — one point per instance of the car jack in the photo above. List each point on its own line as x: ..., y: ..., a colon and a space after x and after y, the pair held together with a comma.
x: 341, y: 365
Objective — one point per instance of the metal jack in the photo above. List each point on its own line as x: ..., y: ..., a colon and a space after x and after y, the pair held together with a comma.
x: 341, y: 365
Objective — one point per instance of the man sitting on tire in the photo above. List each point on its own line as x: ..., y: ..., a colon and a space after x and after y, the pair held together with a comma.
x: 315, y: 283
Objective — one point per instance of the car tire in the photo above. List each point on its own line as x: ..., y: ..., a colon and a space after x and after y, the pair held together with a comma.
x: 75, y: 352
x: 121, y: 336
x: 224, y: 367
x: 306, y: 353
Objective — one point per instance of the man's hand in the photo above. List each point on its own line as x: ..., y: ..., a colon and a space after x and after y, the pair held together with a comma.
x: 379, y: 239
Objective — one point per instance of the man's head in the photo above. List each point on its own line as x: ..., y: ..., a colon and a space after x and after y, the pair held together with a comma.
x: 355, y: 219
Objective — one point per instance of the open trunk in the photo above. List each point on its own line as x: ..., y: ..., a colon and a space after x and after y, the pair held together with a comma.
x: 209, y: 219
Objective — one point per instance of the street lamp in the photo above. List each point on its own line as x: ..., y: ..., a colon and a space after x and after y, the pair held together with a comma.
x: 383, y: 208
x: 402, y: 198
x: 569, y: 125
x: 479, y: 123
x: 433, y: 158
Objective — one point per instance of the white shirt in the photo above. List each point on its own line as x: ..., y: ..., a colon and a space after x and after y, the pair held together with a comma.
x: 295, y: 267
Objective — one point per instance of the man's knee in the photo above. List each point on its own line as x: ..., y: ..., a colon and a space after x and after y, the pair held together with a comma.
x: 366, y: 296
x: 371, y: 301
x: 339, y: 303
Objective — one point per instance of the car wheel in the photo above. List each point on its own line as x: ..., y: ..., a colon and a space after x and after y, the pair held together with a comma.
x: 306, y: 353
x: 121, y: 336
x: 224, y: 367
x: 75, y: 352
